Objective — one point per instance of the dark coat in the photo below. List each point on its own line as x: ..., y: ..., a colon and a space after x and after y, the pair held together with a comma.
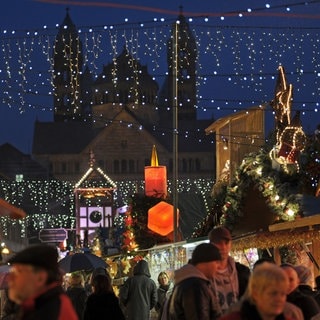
x: 307, y: 304
x: 162, y: 293
x: 243, y: 277
x: 78, y: 297
x: 248, y: 311
x: 192, y: 297
x: 306, y: 289
x: 139, y: 293
x: 53, y: 304
x: 103, y: 305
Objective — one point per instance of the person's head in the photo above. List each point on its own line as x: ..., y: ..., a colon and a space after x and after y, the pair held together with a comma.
x: 142, y: 267
x: 206, y: 258
x: 102, y: 283
x: 98, y: 271
x: 221, y: 237
x: 292, y: 276
x: 263, y: 260
x: 32, y: 270
x: 267, y: 289
x: 304, y: 274
x: 76, y: 279
x: 163, y: 278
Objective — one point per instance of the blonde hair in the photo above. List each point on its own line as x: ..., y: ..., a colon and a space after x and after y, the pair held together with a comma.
x: 76, y: 279
x: 263, y: 275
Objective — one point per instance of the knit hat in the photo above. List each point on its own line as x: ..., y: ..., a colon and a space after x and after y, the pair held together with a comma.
x: 304, y: 274
x: 40, y: 255
x: 219, y: 233
x: 205, y: 252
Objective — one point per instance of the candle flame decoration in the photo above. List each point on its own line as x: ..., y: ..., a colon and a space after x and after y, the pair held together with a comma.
x: 155, y: 177
x: 154, y: 157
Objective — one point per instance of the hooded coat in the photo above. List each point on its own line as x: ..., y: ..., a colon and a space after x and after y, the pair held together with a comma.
x: 139, y: 293
x: 192, y: 297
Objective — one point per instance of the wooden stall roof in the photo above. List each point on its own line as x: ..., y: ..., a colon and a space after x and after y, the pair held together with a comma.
x: 280, y: 234
x: 310, y: 222
x: 234, y: 116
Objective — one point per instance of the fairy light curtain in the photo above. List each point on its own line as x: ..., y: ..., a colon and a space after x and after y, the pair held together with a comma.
x: 50, y: 204
x: 237, y: 62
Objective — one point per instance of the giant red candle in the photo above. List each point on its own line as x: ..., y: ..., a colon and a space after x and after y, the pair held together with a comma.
x: 155, y: 178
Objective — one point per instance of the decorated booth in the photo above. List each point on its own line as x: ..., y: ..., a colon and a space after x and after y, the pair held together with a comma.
x: 270, y: 200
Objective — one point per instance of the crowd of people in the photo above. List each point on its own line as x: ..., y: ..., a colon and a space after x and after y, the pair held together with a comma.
x: 211, y: 286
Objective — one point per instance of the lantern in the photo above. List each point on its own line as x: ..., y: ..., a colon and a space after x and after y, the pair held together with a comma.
x: 155, y: 178
x: 161, y: 218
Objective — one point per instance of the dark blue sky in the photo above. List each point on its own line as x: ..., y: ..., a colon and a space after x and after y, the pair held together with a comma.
x: 241, y: 44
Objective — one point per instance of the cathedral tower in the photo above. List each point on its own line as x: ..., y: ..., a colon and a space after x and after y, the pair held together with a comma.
x: 68, y: 62
x: 186, y: 74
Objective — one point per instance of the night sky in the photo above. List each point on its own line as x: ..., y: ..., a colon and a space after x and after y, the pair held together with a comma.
x: 240, y: 46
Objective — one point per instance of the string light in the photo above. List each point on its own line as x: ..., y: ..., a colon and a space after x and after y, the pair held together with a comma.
x: 147, y: 42
x: 51, y: 204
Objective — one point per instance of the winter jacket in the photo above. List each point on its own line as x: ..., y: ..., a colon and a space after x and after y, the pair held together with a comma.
x: 306, y: 303
x: 306, y: 289
x: 163, y: 294
x: 192, y: 297
x: 139, y: 293
x: 103, y: 304
x: 290, y: 310
x: 243, y: 273
x: 78, y: 297
x: 53, y: 304
x: 248, y: 311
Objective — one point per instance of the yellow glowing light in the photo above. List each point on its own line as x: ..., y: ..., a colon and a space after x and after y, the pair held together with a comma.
x: 290, y: 212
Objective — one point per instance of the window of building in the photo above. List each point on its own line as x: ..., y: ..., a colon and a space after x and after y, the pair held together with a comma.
x: 131, y: 166
x: 63, y: 167
x: 184, y: 165
x: 191, y: 165
x: 123, y: 166
x: 198, y: 165
x: 116, y: 167
x: 76, y: 167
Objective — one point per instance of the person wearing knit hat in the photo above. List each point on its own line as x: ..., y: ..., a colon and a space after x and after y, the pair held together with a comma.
x: 193, y: 296
x: 232, y: 277
x: 306, y: 303
x: 305, y: 279
x: 35, y: 285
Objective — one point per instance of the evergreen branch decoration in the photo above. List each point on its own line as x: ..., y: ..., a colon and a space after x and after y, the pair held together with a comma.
x: 255, y: 170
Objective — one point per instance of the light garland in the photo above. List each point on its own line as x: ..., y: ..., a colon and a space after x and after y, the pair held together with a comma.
x: 50, y: 204
x: 264, y: 240
x: 278, y: 194
x: 30, y: 51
